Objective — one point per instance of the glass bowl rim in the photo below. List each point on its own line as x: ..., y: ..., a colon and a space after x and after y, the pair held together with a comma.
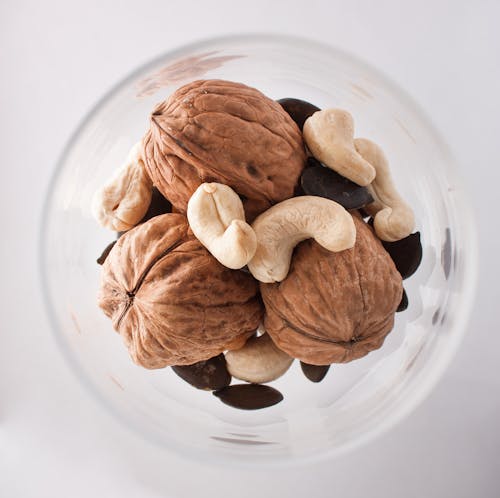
x: 470, y: 264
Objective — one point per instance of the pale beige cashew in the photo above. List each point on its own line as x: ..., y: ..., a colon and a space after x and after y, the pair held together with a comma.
x: 393, y: 218
x: 329, y: 135
x: 123, y: 201
x: 258, y: 361
x: 217, y: 218
x: 283, y: 226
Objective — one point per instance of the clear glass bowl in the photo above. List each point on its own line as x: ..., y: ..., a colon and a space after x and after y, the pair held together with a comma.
x: 356, y: 401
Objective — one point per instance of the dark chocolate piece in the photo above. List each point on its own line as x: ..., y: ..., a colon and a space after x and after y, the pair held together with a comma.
x: 299, y: 110
x: 249, y: 396
x: 104, y: 255
x: 406, y: 254
x: 209, y: 374
x: 404, y: 302
x: 324, y: 182
x: 315, y: 373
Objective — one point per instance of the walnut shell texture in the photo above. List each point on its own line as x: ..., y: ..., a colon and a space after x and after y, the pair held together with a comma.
x: 226, y: 132
x: 334, y: 307
x: 172, y: 302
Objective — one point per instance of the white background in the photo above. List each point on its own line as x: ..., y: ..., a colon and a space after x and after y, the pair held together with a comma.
x: 56, y: 59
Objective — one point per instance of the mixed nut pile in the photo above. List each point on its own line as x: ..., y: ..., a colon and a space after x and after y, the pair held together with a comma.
x: 242, y: 241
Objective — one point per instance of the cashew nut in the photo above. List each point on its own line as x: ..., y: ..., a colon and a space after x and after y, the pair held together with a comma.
x: 283, y: 226
x: 123, y: 201
x: 258, y: 361
x: 217, y: 218
x: 393, y: 218
x: 329, y: 135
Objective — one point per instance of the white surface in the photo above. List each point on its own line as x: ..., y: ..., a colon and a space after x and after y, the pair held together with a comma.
x: 56, y: 59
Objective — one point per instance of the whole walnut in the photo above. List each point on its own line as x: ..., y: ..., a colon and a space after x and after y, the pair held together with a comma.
x: 334, y: 307
x: 226, y: 132
x: 171, y: 300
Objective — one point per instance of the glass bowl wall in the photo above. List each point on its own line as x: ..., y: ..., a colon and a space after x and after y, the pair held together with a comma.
x: 357, y: 400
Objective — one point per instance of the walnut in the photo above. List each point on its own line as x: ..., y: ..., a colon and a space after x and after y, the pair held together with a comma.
x: 171, y: 300
x: 225, y: 132
x: 334, y: 307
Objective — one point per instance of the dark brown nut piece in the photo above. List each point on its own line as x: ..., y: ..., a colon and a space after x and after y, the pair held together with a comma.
x: 171, y: 301
x: 299, y: 110
x: 209, y: 375
x: 249, y: 396
x: 105, y: 253
x: 315, y: 373
x: 406, y: 254
x: 225, y: 132
x: 334, y: 307
x: 403, y: 305
x: 324, y: 182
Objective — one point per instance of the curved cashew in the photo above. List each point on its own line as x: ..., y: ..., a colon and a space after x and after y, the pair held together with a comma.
x: 283, y: 226
x: 123, y: 201
x: 258, y: 361
x: 216, y: 217
x: 393, y: 218
x: 329, y: 135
